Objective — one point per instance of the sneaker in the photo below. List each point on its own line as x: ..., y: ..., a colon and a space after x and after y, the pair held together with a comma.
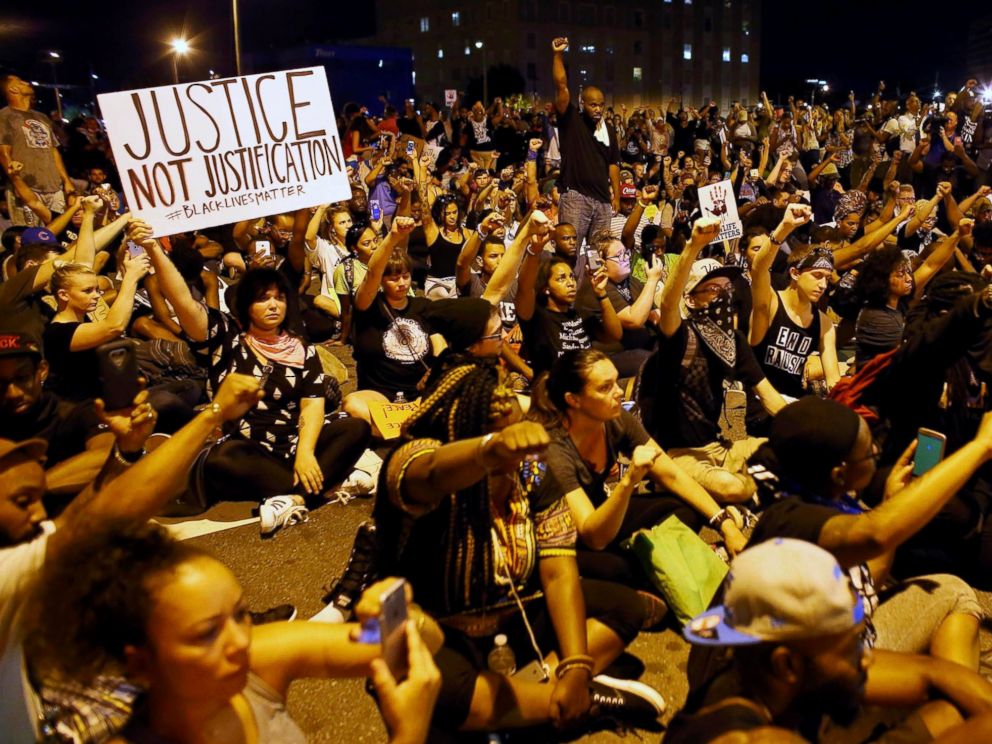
x: 279, y: 614
x: 655, y: 609
x: 358, y: 484
x: 358, y: 574
x: 625, y: 698
x: 281, y: 511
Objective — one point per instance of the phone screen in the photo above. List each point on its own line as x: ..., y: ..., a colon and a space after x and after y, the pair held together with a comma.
x: 594, y: 260
x: 263, y: 247
x: 133, y: 249
x: 929, y: 451
x: 376, y: 210
x: 392, y: 616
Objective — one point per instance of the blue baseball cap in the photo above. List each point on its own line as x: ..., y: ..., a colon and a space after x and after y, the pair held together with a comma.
x: 38, y: 236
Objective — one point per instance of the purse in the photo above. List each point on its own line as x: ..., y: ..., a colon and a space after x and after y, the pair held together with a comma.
x: 680, y: 565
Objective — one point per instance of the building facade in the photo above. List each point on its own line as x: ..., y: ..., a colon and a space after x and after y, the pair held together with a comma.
x: 638, y: 52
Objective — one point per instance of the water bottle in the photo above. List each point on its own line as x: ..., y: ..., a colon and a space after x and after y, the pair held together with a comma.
x: 400, y: 398
x: 501, y: 658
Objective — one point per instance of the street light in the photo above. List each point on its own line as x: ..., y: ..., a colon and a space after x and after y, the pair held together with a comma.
x: 180, y: 47
x: 53, y: 59
x: 485, y: 74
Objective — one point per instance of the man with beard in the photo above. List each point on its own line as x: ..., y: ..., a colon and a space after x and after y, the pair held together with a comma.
x: 590, y: 155
x: 798, y: 657
x: 692, y: 389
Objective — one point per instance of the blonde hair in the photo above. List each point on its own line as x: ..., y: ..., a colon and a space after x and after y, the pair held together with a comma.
x: 63, y: 275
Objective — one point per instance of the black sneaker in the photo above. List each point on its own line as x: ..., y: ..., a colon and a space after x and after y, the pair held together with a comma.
x: 358, y: 574
x: 278, y: 614
x: 625, y: 698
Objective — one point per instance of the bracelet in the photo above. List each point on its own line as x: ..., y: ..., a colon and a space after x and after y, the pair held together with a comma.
x: 574, y: 662
x: 600, y: 298
x: 717, y: 520
x: 480, y: 452
x: 482, y: 236
x: 127, y: 458
x: 775, y: 242
x: 643, y: 205
x: 532, y: 253
x: 531, y: 155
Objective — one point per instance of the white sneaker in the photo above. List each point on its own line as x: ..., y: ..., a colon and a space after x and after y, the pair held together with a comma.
x: 644, y: 692
x: 330, y: 614
x: 281, y: 511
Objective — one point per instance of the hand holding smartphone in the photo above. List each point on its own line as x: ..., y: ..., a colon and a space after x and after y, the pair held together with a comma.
x: 930, y: 446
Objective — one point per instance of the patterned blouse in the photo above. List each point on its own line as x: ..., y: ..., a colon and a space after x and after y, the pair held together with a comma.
x: 273, y: 423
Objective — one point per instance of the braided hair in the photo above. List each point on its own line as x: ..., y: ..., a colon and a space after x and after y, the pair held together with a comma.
x: 462, y: 405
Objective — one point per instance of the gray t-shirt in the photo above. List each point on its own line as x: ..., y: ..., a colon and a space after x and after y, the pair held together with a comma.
x: 29, y: 135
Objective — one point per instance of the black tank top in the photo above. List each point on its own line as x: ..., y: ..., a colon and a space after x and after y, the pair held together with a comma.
x: 785, y: 348
x: 444, y: 256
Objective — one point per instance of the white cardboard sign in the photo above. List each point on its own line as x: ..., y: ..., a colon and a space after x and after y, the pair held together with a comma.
x: 717, y: 200
x: 213, y: 152
x: 450, y: 96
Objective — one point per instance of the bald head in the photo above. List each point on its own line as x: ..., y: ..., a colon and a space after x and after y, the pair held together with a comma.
x: 593, y: 103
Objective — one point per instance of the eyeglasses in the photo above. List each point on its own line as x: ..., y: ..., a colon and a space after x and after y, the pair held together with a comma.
x: 621, y: 257
x: 492, y: 337
x: 874, y: 454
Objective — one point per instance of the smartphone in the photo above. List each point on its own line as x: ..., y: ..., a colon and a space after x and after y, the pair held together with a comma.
x: 594, y: 260
x: 929, y: 450
x: 411, y: 148
x: 755, y: 174
x: 392, y: 618
x: 117, y: 362
x: 263, y: 248
x: 376, y: 210
x: 134, y: 250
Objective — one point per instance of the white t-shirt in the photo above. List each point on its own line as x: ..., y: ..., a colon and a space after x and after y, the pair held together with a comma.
x: 19, y: 566
x: 326, y: 256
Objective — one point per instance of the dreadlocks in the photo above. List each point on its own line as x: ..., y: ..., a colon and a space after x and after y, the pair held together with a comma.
x: 463, y: 404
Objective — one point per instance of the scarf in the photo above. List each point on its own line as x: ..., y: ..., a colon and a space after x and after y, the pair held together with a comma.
x: 818, y: 258
x: 285, y: 348
x: 715, y: 326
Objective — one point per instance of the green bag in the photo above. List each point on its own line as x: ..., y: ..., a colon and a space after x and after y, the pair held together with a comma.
x: 680, y: 565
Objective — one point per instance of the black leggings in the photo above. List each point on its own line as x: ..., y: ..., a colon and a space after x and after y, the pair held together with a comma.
x: 243, y: 470
x: 613, y: 563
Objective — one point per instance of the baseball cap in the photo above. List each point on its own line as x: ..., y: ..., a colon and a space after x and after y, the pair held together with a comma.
x: 779, y: 591
x: 14, y: 343
x: 830, y: 169
x: 33, y: 448
x: 709, y: 268
x: 628, y: 191
x: 38, y: 236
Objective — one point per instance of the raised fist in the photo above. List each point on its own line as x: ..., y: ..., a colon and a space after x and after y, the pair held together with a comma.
x: 559, y: 45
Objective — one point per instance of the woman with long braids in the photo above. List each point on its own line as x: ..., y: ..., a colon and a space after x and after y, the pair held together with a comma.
x: 458, y: 516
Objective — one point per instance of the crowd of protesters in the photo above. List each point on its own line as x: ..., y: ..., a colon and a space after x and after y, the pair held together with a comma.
x: 541, y: 290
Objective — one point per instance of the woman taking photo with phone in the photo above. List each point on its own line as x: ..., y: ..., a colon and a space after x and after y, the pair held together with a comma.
x: 283, y: 452
x: 173, y: 621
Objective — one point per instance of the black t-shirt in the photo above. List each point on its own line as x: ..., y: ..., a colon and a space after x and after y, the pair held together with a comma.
x: 571, y: 472
x: 73, y: 375
x: 669, y: 388
x: 548, y: 333
x: 720, y: 709
x: 392, y: 347
x: 633, y: 338
x: 64, y: 425
x: 792, y: 517
x: 585, y: 161
x: 21, y: 307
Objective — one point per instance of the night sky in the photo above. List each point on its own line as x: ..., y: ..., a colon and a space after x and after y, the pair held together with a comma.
x: 855, y: 44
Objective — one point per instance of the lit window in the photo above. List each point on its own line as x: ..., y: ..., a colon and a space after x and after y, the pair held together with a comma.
x: 589, y: 48
x: 440, y: 53
x: 468, y: 51
x: 726, y: 54
x: 425, y: 24
x: 638, y: 74
x: 687, y: 51
x: 380, y: 64
x: 688, y: 2
x: 456, y: 19
x: 744, y: 58
x: 413, y: 76
x: 668, y: 2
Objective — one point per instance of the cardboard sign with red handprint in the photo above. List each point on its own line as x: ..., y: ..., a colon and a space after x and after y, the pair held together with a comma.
x: 717, y: 200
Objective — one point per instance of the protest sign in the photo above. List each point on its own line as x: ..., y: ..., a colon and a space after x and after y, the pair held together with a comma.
x: 389, y: 417
x: 717, y: 200
x: 450, y: 96
x: 208, y: 153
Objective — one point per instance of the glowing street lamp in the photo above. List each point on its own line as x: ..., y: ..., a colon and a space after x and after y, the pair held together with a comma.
x: 180, y: 48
